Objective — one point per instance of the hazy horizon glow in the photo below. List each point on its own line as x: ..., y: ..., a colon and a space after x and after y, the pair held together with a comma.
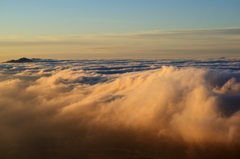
x: 205, y: 43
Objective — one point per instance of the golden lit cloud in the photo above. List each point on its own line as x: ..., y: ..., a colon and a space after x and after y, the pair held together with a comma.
x: 166, y: 109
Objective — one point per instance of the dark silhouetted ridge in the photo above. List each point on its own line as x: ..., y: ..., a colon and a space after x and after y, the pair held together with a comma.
x: 21, y: 60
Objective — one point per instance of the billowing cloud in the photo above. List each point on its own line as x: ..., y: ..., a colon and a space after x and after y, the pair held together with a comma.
x: 168, y: 112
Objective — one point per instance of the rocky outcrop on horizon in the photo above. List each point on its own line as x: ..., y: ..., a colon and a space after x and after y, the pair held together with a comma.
x: 21, y: 60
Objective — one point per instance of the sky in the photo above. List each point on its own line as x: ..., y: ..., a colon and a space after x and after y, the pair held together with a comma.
x: 96, y: 29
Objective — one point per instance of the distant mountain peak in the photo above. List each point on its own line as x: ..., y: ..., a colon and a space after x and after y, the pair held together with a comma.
x: 21, y: 60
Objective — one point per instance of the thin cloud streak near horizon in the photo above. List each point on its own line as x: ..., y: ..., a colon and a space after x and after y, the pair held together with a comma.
x: 149, y: 44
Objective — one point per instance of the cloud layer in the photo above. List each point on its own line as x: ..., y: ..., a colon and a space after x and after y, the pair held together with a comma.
x: 151, y: 44
x: 68, y: 112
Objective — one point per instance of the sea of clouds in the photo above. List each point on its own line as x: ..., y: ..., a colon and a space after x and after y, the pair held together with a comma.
x: 120, y: 109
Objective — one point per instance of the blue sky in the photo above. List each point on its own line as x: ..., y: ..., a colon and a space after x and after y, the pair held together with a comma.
x: 64, y: 17
x: 36, y: 18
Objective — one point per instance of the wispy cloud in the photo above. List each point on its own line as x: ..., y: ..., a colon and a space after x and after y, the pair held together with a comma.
x: 142, y: 43
x: 156, y: 34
